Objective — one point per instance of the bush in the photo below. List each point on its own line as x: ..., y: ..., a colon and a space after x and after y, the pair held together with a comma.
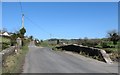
x: 5, y: 45
x: 90, y: 43
x: 25, y: 41
x: 104, y: 45
x: 13, y: 42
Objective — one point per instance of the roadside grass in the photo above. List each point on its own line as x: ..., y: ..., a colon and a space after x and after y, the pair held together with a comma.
x: 46, y: 44
x: 14, y: 63
x: 114, y: 52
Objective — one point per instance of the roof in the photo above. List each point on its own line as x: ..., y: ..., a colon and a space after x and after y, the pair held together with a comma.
x: 5, y: 34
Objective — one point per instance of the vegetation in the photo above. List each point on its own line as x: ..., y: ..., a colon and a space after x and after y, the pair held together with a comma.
x: 31, y: 38
x: 14, y: 63
x: 14, y: 36
x: 45, y: 43
x: 21, y: 34
x: 114, y: 37
x: 58, y: 42
x: 4, y: 43
x: 110, y: 44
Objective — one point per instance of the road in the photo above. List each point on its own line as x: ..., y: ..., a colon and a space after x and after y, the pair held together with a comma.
x: 45, y: 60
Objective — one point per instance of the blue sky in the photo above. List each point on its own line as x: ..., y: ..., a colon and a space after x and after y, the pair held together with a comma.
x: 63, y: 19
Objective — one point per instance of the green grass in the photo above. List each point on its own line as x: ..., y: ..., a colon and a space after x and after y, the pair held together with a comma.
x: 46, y: 44
x: 13, y: 63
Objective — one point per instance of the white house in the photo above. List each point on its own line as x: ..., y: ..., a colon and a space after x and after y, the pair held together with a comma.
x: 5, y: 34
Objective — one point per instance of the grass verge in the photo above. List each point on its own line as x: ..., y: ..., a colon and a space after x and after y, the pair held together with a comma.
x: 14, y: 63
x: 46, y: 44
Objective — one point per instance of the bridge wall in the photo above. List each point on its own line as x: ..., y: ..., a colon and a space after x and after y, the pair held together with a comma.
x: 88, y: 51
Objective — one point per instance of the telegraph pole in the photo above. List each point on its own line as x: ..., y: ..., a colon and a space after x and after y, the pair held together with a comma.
x: 22, y: 20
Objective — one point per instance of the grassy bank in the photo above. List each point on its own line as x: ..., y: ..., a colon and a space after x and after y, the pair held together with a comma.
x: 14, y: 63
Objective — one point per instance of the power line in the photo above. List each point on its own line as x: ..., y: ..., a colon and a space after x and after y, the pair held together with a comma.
x: 32, y: 21
x: 37, y: 25
x: 21, y: 7
x: 25, y: 16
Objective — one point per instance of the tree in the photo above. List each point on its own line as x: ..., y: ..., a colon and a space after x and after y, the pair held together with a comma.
x: 31, y: 37
x: 85, y: 40
x: 41, y: 41
x: 58, y: 41
x: 13, y: 39
x: 114, y: 37
x: 22, y: 32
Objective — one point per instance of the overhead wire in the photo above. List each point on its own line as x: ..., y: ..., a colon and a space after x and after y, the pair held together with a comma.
x: 36, y: 24
x: 32, y: 21
x: 39, y: 27
x: 21, y: 7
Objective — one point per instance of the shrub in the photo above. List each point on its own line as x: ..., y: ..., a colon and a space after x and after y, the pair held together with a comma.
x: 104, y: 45
x: 5, y: 45
x: 90, y: 43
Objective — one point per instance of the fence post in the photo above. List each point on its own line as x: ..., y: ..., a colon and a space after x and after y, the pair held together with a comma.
x: 18, y: 45
x: 19, y: 42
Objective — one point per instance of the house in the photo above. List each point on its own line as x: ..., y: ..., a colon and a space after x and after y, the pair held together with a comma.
x: 4, y: 34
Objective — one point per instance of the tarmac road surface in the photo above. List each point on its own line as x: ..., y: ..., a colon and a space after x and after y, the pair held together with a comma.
x: 45, y: 60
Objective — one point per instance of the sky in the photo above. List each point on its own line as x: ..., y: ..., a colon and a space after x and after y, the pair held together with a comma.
x: 68, y: 20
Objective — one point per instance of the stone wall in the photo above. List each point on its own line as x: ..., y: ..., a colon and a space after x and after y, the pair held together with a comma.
x: 88, y: 51
x: 7, y: 52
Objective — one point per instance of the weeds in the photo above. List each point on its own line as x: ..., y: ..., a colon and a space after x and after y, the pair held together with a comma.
x: 13, y: 63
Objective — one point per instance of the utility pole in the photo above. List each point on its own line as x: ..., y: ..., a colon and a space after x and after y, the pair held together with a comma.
x: 22, y: 30
x: 22, y: 20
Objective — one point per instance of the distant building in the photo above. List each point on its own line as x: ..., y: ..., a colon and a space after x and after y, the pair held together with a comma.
x: 4, y: 34
x: 26, y: 37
